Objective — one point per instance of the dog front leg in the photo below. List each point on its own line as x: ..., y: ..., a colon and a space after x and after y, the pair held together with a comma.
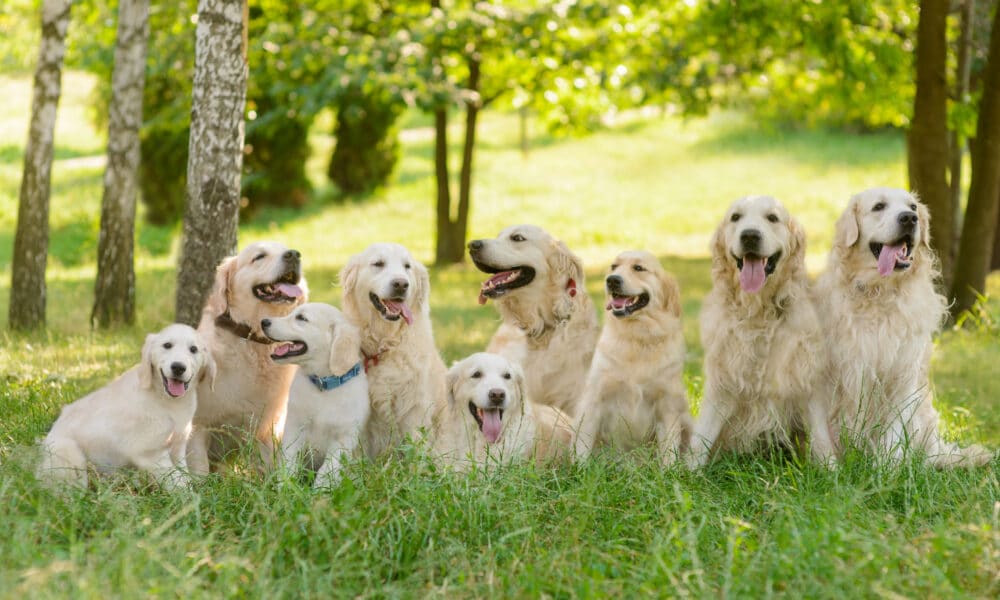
x: 197, y: 451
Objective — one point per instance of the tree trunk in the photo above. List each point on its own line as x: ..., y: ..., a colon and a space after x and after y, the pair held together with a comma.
x: 963, y: 71
x: 444, y: 247
x: 215, y: 151
x: 114, y: 288
x: 31, y: 241
x: 981, y: 214
x: 928, y: 138
x: 995, y: 263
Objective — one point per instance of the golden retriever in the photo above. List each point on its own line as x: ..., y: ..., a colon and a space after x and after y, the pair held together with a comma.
x: 328, y: 404
x: 387, y: 293
x: 263, y: 281
x: 761, y: 336
x: 634, y: 393
x: 140, y: 420
x: 490, y: 420
x: 880, y: 311
x: 549, y: 323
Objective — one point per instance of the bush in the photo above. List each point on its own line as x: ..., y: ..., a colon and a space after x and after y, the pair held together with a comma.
x: 367, y: 147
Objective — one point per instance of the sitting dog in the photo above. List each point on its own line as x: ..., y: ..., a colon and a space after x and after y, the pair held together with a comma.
x: 328, y: 402
x: 635, y: 388
x: 140, y: 420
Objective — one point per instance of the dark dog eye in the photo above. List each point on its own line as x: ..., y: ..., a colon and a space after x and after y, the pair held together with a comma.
x: 517, y: 237
x: 301, y: 317
x: 913, y: 207
x: 506, y: 375
x: 613, y: 267
x: 735, y: 217
x: 878, y: 207
x: 168, y: 345
x: 378, y: 264
x: 258, y: 257
x: 406, y: 266
x: 772, y: 218
x: 193, y: 349
x: 639, y: 268
x: 477, y: 374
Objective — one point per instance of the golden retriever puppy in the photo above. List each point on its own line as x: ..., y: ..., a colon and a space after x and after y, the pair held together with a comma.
x: 263, y: 281
x: 387, y: 294
x: 549, y: 324
x: 140, y: 420
x: 880, y: 311
x: 490, y: 420
x: 635, y: 388
x: 328, y: 404
x: 761, y: 336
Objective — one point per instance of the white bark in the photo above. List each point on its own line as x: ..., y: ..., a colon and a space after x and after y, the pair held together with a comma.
x: 31, y: 242
x: 215, y: 155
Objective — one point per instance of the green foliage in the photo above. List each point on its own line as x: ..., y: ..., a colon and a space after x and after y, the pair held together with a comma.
x: 19, y: 34
x: 367, y: 147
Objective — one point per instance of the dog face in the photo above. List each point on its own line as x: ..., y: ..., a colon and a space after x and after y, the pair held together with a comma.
x: 637, y: 281
x: 265, y: 279
x: 386, y: 282
x: 884, y: 225
x: 490, y: 388
x: 520, y: 256
x: 756, y: 239
x: 316, y: 336
x: 173, y: 358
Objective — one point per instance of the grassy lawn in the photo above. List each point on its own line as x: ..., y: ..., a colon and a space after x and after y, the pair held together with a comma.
x: 746, y: 526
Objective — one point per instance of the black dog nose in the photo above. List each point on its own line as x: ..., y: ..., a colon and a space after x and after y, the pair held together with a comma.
x: 292, y: 256
x: 907, y: 218
x: 177, y: 368
x: 265, y: 323
x: 497, y: 396
x: 475, y: 244
x: 400, y: 285
x: 750, y: 238
x: 614, y: 281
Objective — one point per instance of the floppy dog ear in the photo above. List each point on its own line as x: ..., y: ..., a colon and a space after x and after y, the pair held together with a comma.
x: 924, y: 218
x: 847, y: 229
x: 146, y: 365
x: 209, y: 368
x: 450, y: 382
x: 797, y: 242
x: 564, y: 266
x: 517, y: 376
x: 718, y: 246
x: 218, y: 298
x: 345, y: 349
x: 422, y: 289
x: 348, y: 278
x: 671, y: 291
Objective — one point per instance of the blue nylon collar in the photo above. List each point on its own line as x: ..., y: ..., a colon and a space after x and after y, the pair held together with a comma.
x: 332, y: 382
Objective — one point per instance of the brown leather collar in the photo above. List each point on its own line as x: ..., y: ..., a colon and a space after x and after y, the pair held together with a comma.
x: 240, y: 330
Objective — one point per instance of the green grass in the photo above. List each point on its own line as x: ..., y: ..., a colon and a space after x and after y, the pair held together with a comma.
x: 746, y: 526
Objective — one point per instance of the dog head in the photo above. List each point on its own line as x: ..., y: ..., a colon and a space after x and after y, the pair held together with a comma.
x: 316, y: 336
x: 386, y: 283
x: 489, y: 392
x: 757, y: 242
x: 882, y: 230
x: 637, y: 281
x: 263, y: 280
x: 173, y: 358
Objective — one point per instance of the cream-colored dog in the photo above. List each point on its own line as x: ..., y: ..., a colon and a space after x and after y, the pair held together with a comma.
x: 635, y: 388
x: 328, y: 404
x: 491, y: 420
x: 387, y: 293
x: 140, y: 420
x: 762, y: 339
x: 549, y: 324
x: 880, y: 311
x: 250, y: 397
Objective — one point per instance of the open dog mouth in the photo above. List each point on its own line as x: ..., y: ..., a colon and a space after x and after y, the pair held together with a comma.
x: 175, y: 388
x: 282, y: 289
x: 502, y: 280
x: 289, y: 350
x: 391, y: 309
x: 897, y: 256
x: 755, y: 269
x: 490, y: 420
x: 622, y: 305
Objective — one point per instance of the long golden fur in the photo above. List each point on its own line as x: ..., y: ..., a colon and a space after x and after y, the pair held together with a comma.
x: 549, y: 323
x: 634, y: 393
x: 762, y: 348
x: 251, y: 392
x: 387, y: 294
x: 878, y: 327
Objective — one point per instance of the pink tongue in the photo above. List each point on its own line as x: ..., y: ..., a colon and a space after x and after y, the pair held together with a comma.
x: 491, y: 425
x: 175, y: 387
x: 887, y: 259
x: 752, y: 274
x: 401, y: 308
x: 289, y: 289
x: 282, y: 349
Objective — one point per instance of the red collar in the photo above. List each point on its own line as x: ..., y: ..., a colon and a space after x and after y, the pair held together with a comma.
x: 571, y: 287
x: 370, y: 360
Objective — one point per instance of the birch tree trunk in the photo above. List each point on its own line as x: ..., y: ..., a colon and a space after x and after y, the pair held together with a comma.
x: 114, y: 288
x: 215, y: 151
x: 31, y: 241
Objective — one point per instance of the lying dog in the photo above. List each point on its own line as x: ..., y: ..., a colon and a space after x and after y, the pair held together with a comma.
x: 880, y: 311
x: 387, y: 293
x: 328, y: 402
x: 549, y: 324
x: 491, y: 420
x: 635, y: 388
x: 762, y: 340
x: 249, y: 399
x: 140, y: 420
